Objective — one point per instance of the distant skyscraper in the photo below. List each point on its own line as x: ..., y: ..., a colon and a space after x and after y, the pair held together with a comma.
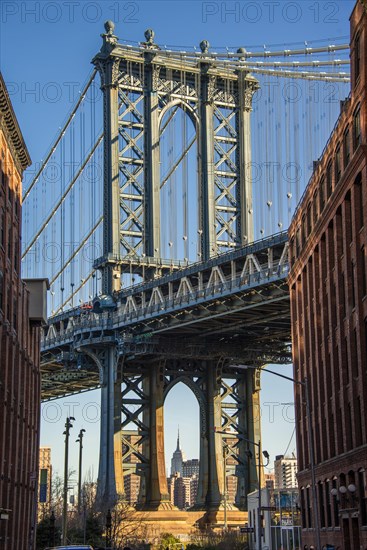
x: 178, y: 459
x: 285, y: 470
x: 190, y: 467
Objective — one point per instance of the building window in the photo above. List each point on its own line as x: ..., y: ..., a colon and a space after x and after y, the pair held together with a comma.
x: 298, y: 242
x: 353, y: 285
x: 9, y: 243
x: 303, y: 507
x: 336, y: 505
x: 308, y: 502
x: 358, y: 200
x: 329, y: 179
x: 309, y: 220
x: 322, y: 194
x: 348, y: 217
x: 304, y: 230
x: 362, y: 489
x: 357, y: 58
x: 2, y: 178
x: 321, y: 504
x: 2, y: 227
x: 16, y: 206
x: 358, y: 422
x: 338, y: 166
x: 1, y: 290
x: 8, y: 305
x: 328, y: 503
x: 363, y: 266
x: 357, y: 139
x: 315, y: 209
x: 10, y: 192
x: 15, y: 317
x: 346, y: 148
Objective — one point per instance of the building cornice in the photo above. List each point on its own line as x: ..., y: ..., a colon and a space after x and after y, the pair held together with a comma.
x: 9, y: 125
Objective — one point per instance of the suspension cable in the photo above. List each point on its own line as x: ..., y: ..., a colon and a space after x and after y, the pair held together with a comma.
x: 62, y: 198
x: 61, y: 134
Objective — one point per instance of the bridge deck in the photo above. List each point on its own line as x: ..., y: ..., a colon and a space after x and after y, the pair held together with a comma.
x: 235, y: 306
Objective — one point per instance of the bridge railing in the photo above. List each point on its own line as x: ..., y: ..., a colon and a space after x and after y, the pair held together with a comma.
x: 110, y: 320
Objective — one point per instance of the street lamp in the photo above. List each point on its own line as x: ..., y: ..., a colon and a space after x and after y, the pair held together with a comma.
x: 68, y: 425
x: 259, y: 516
x: 303, y: 383
x: 266, y: 455
x: 80, y: 441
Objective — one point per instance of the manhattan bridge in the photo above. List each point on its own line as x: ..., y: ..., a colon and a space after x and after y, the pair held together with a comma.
x: 159, y: 216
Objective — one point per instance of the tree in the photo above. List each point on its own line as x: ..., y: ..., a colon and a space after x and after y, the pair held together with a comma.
x: 127, y: 526
x: 168, y: 542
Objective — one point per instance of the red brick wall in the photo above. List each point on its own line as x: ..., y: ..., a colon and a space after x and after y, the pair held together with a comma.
x: 19, y: 373
x: 328, y: 287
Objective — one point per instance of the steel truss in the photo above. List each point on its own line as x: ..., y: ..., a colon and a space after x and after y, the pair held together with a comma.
x: 189, y: 326
x: 139, y: 88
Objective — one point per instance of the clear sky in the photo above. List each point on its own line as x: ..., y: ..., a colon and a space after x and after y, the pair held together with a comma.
x: 46, y: 48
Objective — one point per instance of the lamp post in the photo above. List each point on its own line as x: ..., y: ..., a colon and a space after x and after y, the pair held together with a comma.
x: 266, y: 455
x: 303, y: 383
x: 80, y: 441
x: 68, y: 425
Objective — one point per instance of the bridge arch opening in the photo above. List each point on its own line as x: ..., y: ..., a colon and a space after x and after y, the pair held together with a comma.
x: 182, y: 443
x: 179, y: 183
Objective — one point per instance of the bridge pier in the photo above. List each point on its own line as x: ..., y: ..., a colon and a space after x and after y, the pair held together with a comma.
x: 110, y: 476
x: 155, y: 490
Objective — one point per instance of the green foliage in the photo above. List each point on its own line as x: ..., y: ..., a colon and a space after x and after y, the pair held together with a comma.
x: 168, y: 542
x: 45, y: 537
x: 218, y: 541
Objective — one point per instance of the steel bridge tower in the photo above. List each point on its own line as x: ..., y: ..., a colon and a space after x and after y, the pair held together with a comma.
x: 140, y: 84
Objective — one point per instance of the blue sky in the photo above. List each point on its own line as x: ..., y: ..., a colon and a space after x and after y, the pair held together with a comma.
x: 46, y: 48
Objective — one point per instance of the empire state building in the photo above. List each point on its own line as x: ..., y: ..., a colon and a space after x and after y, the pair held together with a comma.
x: 178, y: 458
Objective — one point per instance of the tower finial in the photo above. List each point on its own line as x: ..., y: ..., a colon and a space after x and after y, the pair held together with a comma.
x: 178, y: 438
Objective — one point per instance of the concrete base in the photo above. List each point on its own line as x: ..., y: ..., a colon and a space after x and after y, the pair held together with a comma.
x: 181, y: 522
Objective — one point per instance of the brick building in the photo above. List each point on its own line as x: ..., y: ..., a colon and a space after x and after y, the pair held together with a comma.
x: 131, y: 479
x: 44, y: 482
x: 179, y: 490
x: 328, y: 289
x: 285, y: 472
x: 19, y: 349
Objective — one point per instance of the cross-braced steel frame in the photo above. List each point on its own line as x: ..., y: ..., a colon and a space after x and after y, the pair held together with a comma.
x: 141, y: 86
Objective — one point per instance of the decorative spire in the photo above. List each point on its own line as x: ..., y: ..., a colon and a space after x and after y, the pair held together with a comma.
x: 178, y: 439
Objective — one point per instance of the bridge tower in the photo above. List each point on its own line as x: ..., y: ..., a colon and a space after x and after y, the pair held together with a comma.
x: 140, y: 85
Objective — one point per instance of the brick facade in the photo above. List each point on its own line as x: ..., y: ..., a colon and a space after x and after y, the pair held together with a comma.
x: 19, y: 352
x: 328, y: 289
